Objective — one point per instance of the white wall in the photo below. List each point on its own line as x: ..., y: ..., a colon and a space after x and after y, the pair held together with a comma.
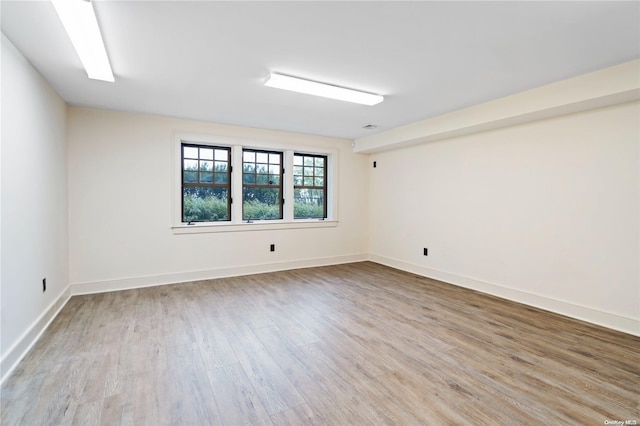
x: 121, y: 207
x: 546, y: 213
x: 34, y: 204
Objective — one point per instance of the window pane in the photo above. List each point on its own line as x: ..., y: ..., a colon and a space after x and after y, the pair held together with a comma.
x: 318, y: 182
x: 308, y: 171
x: 262, y: 179
x: 261, y: 203
x: 190, y: 164
x: 222, y: 178
x: 249, y: 167
x: 206, y: 177
x: 261, y: 168
x: 308, y: 181
x: 190, y: 152
x: 249, y: 156
x: 262, y: 157
x: 308, y: 161
x: 190, y: 177
x: 274, y: 170
x: 206, y: 154
x: 297, y: 170
x: 206, y: 165
x: 319, y: 171
x: 319, y: 162
x: 222, y: 155
x: 274, y: 179
x: 274, y: 158
x: 297, y: 180
x: 221, y: 166
x: 297, y: 160
x: 308, y: 203
x: 249, y: 178
x: 205, y: 204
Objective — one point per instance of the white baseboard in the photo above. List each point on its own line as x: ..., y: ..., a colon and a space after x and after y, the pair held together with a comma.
x: 180, y: 277
x: 19, y: 349
x: 583, y: 313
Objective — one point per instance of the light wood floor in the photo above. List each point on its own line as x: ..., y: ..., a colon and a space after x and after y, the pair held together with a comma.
x: 340, y: 345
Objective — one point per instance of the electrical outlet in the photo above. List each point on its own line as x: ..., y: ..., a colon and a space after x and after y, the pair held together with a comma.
x: 375, y: 164
x: 272, y: 248
x: 425, y: 251
x: 44, y: 285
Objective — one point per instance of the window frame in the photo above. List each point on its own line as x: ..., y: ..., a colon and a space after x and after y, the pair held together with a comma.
x: 287, y: 147
x: 303, y: 186
x: 279, y: 186
x: 211, y: 184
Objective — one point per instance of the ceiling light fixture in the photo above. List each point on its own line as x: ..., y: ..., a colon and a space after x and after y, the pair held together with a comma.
x: 79, y: 20
x: 320, y: 89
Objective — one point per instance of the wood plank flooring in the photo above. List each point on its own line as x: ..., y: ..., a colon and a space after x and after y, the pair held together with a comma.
x: 339, y: 345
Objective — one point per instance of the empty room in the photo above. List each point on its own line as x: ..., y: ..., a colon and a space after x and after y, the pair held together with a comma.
x: 320, y: 212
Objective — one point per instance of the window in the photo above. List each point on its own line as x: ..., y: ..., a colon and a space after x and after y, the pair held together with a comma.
x: 309, y: 186
x: 262, y: 197
x: 227, y: 184
x: 206, y: 183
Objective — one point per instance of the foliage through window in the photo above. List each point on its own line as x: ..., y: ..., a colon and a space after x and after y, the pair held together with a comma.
x: 309, y: 186
x: 206, y: 183
x: 262, y: 196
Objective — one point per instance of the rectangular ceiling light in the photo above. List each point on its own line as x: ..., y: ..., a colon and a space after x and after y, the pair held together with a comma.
x: 79, y: 19
x: 320, y: 89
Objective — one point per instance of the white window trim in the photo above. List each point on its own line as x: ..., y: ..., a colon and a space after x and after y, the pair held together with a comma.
x: 236, y: 224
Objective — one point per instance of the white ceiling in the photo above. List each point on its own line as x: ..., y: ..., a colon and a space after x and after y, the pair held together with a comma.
x: 208, y: 60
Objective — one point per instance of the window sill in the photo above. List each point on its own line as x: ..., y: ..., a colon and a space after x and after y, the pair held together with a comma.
x: 204, y: 228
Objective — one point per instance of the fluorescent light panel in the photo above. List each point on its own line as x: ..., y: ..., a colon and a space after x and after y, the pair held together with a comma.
x: 79, y: 19
x: 294, y: 84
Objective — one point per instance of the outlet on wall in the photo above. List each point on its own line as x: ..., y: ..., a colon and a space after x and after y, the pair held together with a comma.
x: 272, y: 247
x: 425, y: 251
x: 44, y: 285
